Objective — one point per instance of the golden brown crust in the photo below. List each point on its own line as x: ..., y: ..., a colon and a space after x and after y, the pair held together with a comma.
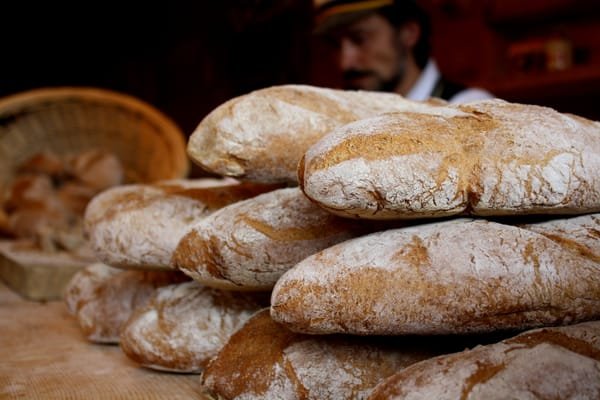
x: 551, y: 363
x: 264, y: 360
x: 488, y: 158
x: 261, y: 136
x: 211, y: 197
x: 257, y: 345
x: 457, y: 136
x: 138, y: 226
x: 103, y: 298
x: 456, y: 276
x: 249, y: 244
x: 184, y: 325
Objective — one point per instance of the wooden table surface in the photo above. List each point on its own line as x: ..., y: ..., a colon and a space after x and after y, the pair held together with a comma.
x: 43, y: 355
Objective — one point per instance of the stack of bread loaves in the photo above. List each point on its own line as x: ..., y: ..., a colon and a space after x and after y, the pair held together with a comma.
x: 138, y: 227
x: 407, y: 232
x: 160, y: 317
x: 462, y: 221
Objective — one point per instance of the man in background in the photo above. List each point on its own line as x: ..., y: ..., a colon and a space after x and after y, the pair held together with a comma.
x: 384, y: 45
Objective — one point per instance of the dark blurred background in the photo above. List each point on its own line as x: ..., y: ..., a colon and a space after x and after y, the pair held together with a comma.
x: 186, y: 58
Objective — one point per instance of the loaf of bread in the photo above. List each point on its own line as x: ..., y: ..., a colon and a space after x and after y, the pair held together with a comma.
x: 456, y: 276
x: 549, y: 363
x: 488, y: 158
x: 249, y: 244
x: 96, y: 168
x: 261, y: 136
x: 184, y: 325
x: 265, y: 361
x: 102, y: 298
x: 138, y: 226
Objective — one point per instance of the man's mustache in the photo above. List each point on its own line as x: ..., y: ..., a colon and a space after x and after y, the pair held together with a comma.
x: 352, y: 74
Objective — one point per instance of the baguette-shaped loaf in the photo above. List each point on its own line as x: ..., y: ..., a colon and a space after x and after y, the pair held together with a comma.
x: 102, y: 298
x: 138, y: 226
x: 491, y: 158
x: 184, y: 325
x: 263, y: 360
x: 456, y: 276
x: 549, y: 363
x: 249, y: 244
x: 261, y: 136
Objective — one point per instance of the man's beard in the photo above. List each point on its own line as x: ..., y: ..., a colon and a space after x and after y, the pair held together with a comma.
x: 380, y: 83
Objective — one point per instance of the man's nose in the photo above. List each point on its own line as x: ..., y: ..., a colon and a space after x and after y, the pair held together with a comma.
x: 349, y: 54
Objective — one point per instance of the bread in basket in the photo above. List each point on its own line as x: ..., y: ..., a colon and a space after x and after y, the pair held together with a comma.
x: 66, y: 121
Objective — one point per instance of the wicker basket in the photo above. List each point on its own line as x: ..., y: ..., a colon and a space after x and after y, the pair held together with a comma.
x: 69, y: 120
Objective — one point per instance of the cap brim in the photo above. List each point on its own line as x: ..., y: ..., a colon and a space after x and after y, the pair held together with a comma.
x: 338, y: 21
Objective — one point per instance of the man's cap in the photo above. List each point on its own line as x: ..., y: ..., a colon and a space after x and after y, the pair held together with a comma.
x: 330, y: 14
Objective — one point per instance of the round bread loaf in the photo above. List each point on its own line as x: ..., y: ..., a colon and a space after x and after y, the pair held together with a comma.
x: 138, y: 226
x: 457, y: 276
x: 550, y: 363
x: 484, y: 158
x: 249, y: 244
x: 184, y: 325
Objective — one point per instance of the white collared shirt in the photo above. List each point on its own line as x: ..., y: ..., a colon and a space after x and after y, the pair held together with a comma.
x: 423, y: 88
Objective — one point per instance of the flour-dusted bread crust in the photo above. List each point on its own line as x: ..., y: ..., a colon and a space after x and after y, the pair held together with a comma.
x: 102, y: 298
x: 448, y: 277
x: 184, y: 325
x: 138, y: 226
x: 581, y: 234
x: 263, y: 360
x: 249, y: 244
x: 490, y: 158
x: 82, y: 285
x: 261, y: 136
x: 549, y: 363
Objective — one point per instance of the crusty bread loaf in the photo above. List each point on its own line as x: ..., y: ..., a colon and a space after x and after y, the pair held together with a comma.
x: 102, y: 298
x: 82, y: 285
x: 489, y: 158
x: 261, y: 136
x: 249, y: 244
x: 139, y: 225
x: 263, y: 360
x: 549, y: 363
x: 447, y: 277
x: 184, y: 325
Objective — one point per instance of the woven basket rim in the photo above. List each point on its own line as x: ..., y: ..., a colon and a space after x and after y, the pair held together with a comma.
x: 14, y: 103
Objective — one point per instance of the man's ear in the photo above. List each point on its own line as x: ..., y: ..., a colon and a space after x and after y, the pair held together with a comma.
x: 409, y: 33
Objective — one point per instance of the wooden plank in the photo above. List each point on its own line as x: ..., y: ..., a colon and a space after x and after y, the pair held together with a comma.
x: 37, y: 275
x: 45, y: 356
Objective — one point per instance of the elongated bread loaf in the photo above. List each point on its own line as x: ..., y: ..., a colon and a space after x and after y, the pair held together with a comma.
x: 184, y: 325
x: 139, y: 225
x: 249, y: 244
x: 489, y: 158
x: 263, y: 360
x: 549, y: 363
x: 102, y: 298
x: 262, y: 135
x: 455, y: 276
